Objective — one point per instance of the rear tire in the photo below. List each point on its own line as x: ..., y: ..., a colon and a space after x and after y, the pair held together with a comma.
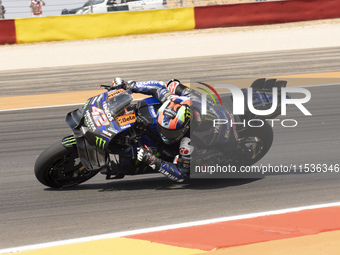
x: 59, y: 167
x: 265, y: 135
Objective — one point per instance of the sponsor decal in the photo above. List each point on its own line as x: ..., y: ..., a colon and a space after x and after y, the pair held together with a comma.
x: 107, y: 111
x: 151, y: 83
x: 100, y: 142
x: 167, y: 174
x: 125, y: 127
x: 106, y: 134
x: 89, y: 121
x: 114, y: 131
x: 126, y: 119
x: 187, y: 112
x: 114, y: 93
x: 69, y: 141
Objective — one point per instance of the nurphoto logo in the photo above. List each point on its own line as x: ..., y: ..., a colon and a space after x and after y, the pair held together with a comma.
x: 238, y: 104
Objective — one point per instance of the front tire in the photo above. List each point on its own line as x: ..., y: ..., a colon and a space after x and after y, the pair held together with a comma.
x: 59, y: 167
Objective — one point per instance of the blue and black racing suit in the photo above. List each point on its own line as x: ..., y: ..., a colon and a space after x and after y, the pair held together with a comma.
x: 202, y: 130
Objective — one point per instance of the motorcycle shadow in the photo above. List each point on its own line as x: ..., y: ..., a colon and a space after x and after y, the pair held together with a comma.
x: 161, y: 183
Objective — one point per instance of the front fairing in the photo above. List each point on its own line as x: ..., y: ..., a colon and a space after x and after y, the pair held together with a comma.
x: 98, y: 122
x: 106, y: 115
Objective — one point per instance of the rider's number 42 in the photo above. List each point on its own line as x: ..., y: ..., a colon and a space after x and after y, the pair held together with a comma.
x: 99, y: 117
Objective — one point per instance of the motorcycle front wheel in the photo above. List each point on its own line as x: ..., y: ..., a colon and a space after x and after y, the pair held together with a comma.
x: 60, y: 167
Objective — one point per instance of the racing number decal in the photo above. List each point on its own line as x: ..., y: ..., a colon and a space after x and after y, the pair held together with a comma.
x: 99, y: 117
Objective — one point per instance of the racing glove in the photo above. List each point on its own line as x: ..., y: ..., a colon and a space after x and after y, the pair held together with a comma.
x: 144, y: 154
x: 177, y: 171
x: 119, y: 83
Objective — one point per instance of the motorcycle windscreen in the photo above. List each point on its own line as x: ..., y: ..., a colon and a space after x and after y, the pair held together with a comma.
x: 118, y: 100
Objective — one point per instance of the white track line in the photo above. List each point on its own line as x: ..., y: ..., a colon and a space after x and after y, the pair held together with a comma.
x: 166, y: 227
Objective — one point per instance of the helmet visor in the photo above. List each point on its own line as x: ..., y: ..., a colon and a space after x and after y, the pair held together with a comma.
x: 172, y: 133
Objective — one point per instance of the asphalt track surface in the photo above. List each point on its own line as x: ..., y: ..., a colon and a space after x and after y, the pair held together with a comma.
x: 31, y: 213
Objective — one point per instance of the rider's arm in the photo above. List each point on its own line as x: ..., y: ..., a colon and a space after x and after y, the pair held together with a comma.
x: 156, y: 89
x: 176, y: 171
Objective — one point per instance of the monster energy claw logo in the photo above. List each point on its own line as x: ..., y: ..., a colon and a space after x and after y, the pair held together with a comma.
x: 100, y: 142
x: 188, y: 113
x: 69, y: 141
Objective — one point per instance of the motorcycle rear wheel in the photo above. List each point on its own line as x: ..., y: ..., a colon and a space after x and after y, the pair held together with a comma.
x: 263, y: 136
x: 60, y: 167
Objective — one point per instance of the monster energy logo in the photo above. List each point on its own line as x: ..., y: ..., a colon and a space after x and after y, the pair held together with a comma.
x: 69, y: 141
x: 188, y: 113
x: 100, y: 142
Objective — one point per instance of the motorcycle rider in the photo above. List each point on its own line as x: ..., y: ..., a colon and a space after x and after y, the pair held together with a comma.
x: 180, y: 110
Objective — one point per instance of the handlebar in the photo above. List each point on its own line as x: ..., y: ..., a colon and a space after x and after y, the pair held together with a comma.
x: 107, y: 87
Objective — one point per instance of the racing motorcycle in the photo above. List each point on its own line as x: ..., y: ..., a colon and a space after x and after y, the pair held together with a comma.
x: 108, y: 129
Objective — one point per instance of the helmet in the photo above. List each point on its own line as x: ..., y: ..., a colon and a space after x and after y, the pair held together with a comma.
x: 173, y: 119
